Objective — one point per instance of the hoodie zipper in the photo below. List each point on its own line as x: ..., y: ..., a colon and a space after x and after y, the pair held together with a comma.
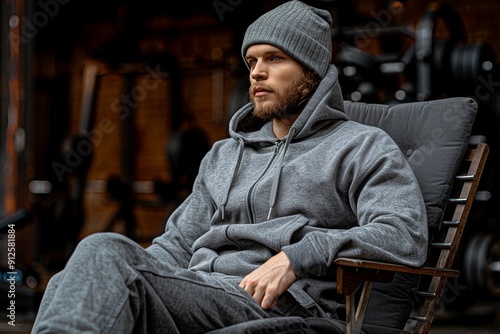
x: 277, y: 145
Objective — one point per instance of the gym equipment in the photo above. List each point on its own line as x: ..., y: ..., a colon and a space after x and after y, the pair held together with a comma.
x: 429, y: 60
x: 185, y: 148
x: 469, y: 63
x: 436, y: 67
x: 482, y: 264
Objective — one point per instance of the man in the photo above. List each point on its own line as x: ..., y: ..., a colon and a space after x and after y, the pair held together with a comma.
x: 296, y: 185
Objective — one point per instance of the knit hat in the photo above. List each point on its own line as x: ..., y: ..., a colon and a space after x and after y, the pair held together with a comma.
x: 302, y: 31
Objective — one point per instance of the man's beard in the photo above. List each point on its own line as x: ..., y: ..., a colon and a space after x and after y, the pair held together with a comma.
x: 285, y: 103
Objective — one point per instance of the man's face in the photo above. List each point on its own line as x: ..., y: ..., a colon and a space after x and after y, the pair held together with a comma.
x: 276, y: 82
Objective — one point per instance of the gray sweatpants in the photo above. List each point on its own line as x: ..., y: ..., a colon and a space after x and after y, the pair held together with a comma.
x: 113, y: 285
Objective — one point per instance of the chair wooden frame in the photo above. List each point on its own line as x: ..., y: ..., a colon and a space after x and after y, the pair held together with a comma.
x: 352, y: 274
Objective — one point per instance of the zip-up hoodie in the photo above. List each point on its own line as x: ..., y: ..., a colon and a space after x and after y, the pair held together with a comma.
x: 332, y: 187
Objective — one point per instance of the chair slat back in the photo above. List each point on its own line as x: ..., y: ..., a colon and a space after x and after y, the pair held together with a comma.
x: 456, y: 214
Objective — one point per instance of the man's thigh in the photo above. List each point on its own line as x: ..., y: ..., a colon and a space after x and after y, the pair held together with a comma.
x: 193, y: 302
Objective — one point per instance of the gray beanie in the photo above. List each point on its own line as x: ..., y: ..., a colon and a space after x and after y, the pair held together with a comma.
x: 302, y: 31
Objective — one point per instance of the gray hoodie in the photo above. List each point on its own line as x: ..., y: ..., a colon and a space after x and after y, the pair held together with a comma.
x: 332, y: 187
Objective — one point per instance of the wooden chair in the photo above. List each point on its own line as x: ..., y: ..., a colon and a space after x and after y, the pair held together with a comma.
x: 355, y: 274
x: 434, y: 136
x: 351, y: 273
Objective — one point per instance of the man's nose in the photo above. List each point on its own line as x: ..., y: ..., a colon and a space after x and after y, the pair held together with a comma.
x: 259, y: 71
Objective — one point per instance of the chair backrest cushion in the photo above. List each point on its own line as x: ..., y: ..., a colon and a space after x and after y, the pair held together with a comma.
x: 433, y: 135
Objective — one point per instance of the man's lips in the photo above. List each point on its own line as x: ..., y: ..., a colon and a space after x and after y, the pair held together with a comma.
x: 260, y: 91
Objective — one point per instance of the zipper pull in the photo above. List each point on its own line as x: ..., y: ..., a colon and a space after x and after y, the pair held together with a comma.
x: 276, y: 146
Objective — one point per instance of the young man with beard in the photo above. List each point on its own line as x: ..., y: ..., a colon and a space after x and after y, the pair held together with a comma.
x: 296, y: 185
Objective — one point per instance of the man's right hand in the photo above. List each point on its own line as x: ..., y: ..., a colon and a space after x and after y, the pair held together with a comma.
x: 266, y: 283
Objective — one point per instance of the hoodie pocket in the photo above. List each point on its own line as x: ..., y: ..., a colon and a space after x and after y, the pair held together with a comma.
x: 273, y: 234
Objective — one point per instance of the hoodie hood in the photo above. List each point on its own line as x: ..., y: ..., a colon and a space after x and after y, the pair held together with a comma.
x: 325, y: 106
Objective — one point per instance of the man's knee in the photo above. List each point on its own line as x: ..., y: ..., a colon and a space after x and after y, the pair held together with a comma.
x: 104, y: 240
x: 103, y: 247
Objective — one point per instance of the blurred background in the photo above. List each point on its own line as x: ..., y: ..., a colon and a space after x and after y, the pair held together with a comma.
x: 107, y: 108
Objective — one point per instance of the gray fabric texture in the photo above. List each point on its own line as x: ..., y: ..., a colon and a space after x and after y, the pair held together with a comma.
x: 298, y: 325
x: 288, y: 325
x: 306, y: 34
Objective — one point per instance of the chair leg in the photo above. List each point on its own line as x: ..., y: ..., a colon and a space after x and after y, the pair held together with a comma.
x: 355, y: 315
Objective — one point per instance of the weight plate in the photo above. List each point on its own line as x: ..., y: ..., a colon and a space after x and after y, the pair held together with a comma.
x: 467, y: 63
x: 457, y: 64
x: 482, y: 264
x: 493, y: 268
x: 474, y: 261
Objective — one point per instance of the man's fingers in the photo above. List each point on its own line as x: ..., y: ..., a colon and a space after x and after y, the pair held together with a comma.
x: 266, y: 298
x: 258, y: 296
x: 268, y: 302
x: 246, y: 285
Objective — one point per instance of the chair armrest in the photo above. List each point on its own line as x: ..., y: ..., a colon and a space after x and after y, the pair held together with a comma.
x: 351, y: 272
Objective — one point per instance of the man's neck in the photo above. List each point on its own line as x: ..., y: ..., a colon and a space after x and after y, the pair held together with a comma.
x: 281, y: 126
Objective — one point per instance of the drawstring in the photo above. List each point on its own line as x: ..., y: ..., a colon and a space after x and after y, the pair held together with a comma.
x: 277, y: 175
x: 235, y: 171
